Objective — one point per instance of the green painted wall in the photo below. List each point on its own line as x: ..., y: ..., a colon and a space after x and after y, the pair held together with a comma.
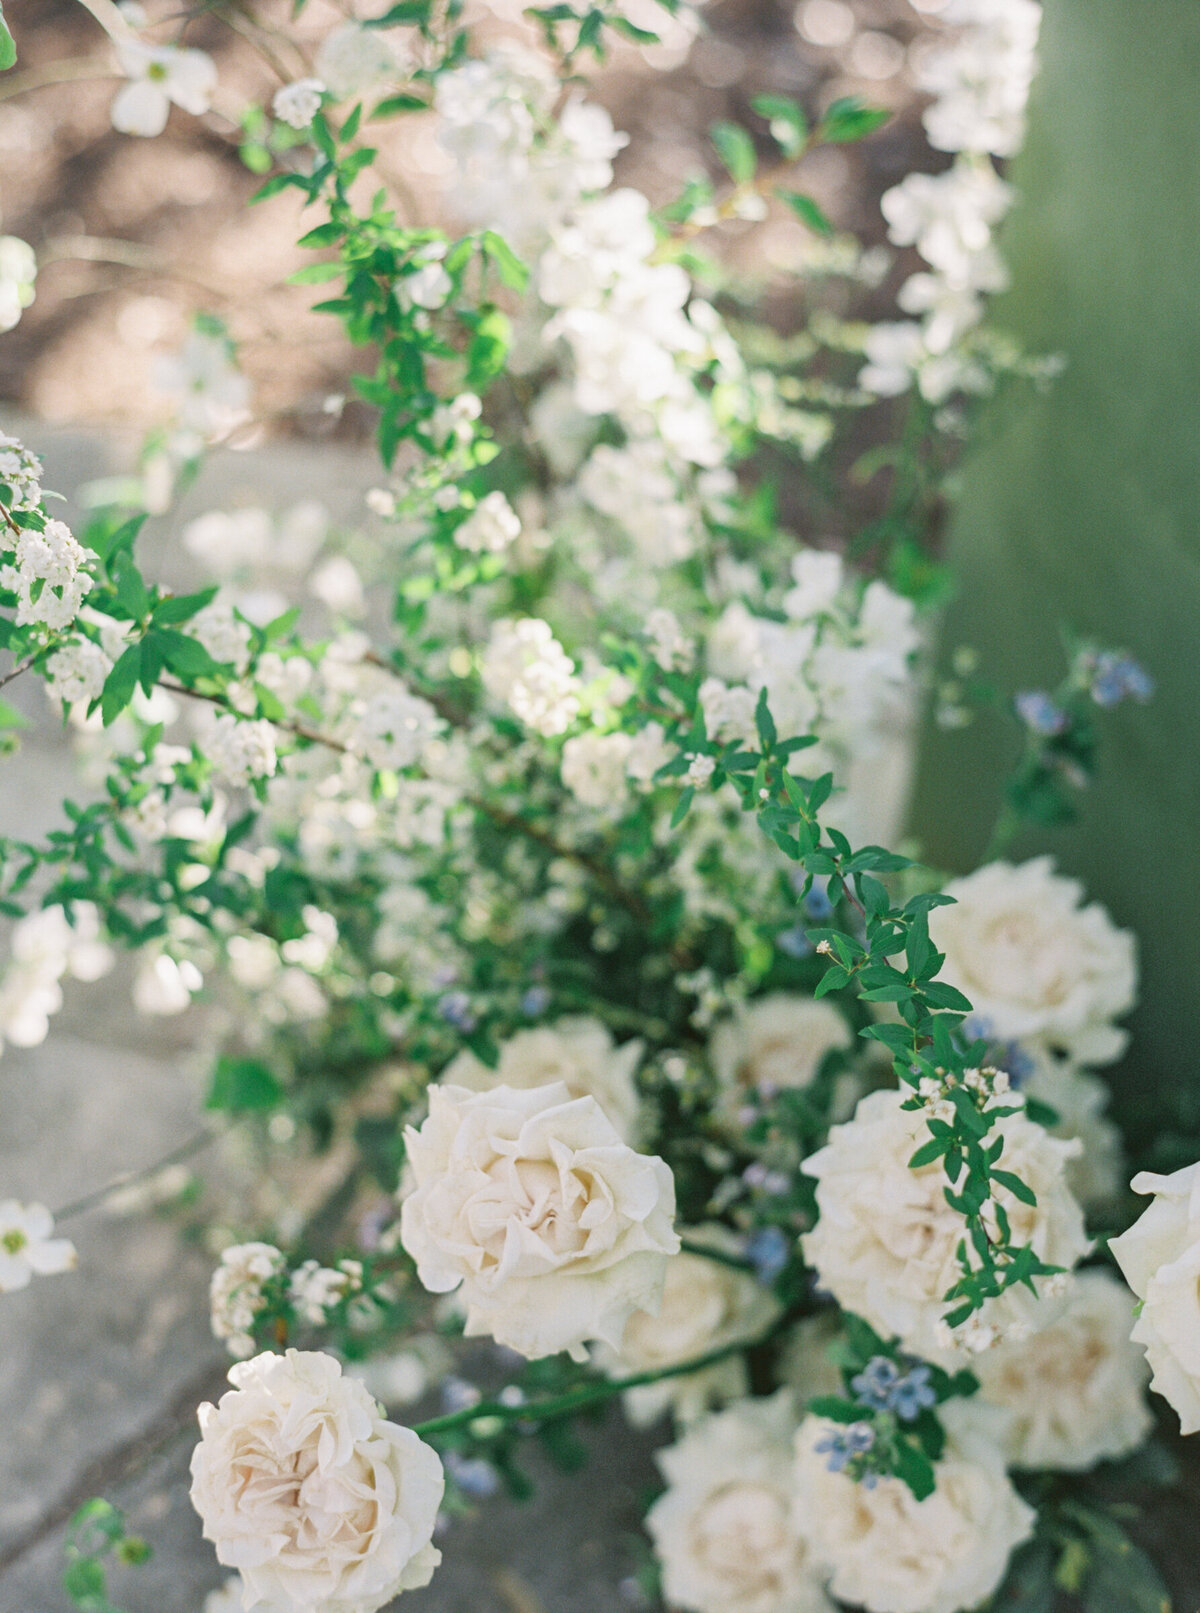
x: 1084, y: 505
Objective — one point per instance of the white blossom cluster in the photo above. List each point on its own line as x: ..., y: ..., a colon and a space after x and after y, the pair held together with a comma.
x: 49, y: 573
x: 18, y: 272
x: 980, y: 81
x: 44, y: 947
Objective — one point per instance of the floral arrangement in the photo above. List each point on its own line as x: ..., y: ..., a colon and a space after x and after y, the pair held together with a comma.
x: 546, y: 862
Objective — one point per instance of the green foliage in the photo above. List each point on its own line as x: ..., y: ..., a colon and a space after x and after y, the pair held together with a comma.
x: 96, y: 1541
x: 8, y: 49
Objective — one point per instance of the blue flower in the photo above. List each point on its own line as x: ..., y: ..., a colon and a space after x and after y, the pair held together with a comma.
x: 767, y: 1249
x: 1114, y: 676
x: 883, y: 1387
x: 1040, y: 713
x: 455, y: 1009
x: 472, y: 1474
x: 794, y: 942
x: 842, y: 1445
x: 535, y: 1001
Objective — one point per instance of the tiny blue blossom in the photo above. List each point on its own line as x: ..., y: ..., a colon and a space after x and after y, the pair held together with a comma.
x: 1114, y: 677
x: 842, y: 1445
x: 472, y: 1474
x: 883, y: 1387
x: 767, y: 1250
x: 1040, y: 713
x: 455, y: 1009
x: 535, y: 1001
x: 794, y: 942
x: 817, y: 903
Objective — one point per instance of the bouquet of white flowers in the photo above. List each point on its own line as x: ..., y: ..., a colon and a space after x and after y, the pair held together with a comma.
x: 546, y: 860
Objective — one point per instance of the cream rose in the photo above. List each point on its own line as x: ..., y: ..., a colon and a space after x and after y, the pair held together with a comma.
x: 554, y: 1228
x: 706, y: 1304
x: 724, y: 1531
x: 579, y: 1051
x: 1160, y: 1256
x: 1076, y: 1390
x: 305, y: 1489
x: 1036, y: 965
x: 886, y: 1242
x: 1095, y: 1175
x: 890, y: 1553
x: 773, y: 1043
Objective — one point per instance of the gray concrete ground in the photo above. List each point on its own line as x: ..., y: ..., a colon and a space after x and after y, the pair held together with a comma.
x: 103, y: 1368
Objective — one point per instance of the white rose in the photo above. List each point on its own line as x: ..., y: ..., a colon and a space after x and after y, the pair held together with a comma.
x: 1160, y: 1256
x: 554, y: 1228
x: 578, y: 1051
x: 1035, y: 964
x: 774, y: 1043
x: 1096, y: 1174
x: 890, y: 1553
x: 886, y: 1243
x: 724, y: 1531
x: 1076, y: 1389
x: 706, y: 1304
x: 305, y: 1489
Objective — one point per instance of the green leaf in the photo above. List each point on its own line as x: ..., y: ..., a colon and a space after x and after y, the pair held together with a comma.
x: 683, y: 807
x: 120, y: 684
x: 393, y: 104
x: 513, y: 273
x: 185, y: 655
x: 241, y: 1085
x: 10, y: 717
x: 406, y: 11
x: 849, y: 119
x: 736, y: 150
x: 806, y: 210
x: 786, y: 121
x: 764, y: 722
x: 8, y: 49
x: 182, y: 607
x: 916, y: 1470
x: 1019, y: 1189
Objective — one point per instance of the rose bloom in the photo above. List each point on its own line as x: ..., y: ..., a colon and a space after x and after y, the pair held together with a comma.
x: 578, y: 1051
x: 773, y: 1043
x: 310, y: 1493
x: 885, y: 1244
x: 1160, y: 1256
x: 1035, y: 964
x: 1075, y: 1390
x: 706, y: 1304
x: 724, y: 1532
x: 890, y: 1553
x: 1096, y: 1175
x: 554, y: 1228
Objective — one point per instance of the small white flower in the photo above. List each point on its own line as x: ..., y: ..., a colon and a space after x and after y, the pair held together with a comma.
x: 594, y: 769
x: 298, y: 104
x: 526, y: 667
x: 491, y: 528
x: 18, y: 271
x: 27, y: 1246
x: 240, y: 751
x: 77, y: 671
x: 159, y: 75
x: 235, y: 1292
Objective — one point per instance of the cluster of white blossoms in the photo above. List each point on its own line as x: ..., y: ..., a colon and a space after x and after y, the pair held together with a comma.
x: 886, y: 1241
x: 840, y: 666
x: 43, y: 948
x: 28, y: 1247
x: 240, y: 749
x: 21, y: 470
x: 491, y: 527
x: 526, y: 668
x: 49, y: 573
x: 307, y: 1491
x: 528, y: 1201
x: 297, y: 104
x: 235, y: 1293
x: 980, y: 81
